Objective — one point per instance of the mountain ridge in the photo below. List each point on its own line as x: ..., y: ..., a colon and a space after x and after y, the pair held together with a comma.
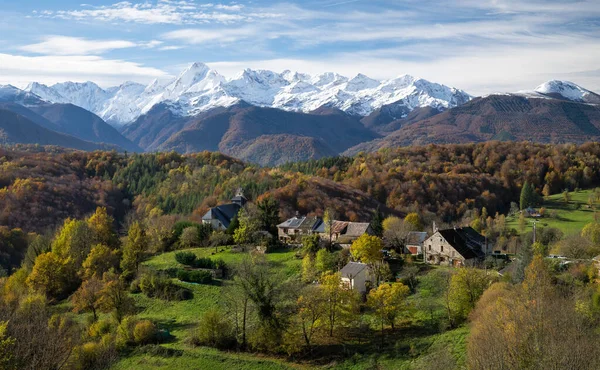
x: 198, y: 88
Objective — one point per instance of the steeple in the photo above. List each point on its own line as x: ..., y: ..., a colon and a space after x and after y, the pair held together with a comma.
x: 239, y: 198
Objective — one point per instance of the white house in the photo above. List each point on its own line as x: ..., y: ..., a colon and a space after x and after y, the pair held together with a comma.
x: 356, y: 276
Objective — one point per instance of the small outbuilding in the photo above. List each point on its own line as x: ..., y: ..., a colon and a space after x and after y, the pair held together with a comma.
x: 356, y: 276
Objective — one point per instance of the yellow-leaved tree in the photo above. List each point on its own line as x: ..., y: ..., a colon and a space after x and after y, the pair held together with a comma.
x: 388, y: 302
x: 367, y: 249
x: 102, y: 228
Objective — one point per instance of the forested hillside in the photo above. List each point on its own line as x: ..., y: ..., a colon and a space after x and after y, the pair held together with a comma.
x: 444, y: 182
x: 105, y: 263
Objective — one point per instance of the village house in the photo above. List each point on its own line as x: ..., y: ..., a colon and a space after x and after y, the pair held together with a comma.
x: 455, y: 247
x: 356, y: 276
x: 294, y: 229
x: 414, y: 242
x: 345, y: 232
x: 221, y: 216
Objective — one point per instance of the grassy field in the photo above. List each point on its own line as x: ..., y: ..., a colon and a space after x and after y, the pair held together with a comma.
x: 414, y: 347
x: 570, y: 217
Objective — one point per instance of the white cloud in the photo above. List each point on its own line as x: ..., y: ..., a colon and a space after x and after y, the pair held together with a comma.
x: 66, y: 45
x: 20, y: 70
x: 169, y: 48
x: 196, y: 36
x: 160, y: 12
x: 476, y: 70
x: 63, y: 45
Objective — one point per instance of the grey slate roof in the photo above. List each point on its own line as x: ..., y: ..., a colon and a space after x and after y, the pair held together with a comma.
x: 352, y: 269
x: 416, y: 237
x: 304, y: 223
x: 292, y: 223
x: 357, y: 229
x: 468, y: 242
x: 224, y: 213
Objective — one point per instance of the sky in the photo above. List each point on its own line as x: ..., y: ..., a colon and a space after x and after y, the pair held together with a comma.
x: 480, y: 46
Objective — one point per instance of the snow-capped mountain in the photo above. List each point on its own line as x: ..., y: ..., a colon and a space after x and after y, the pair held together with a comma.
x: 11, y: 94
x: 568, y: 90
x: 199, y: 88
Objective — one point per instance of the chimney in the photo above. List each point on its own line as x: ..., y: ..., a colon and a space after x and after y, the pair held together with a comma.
x: 435, y: 229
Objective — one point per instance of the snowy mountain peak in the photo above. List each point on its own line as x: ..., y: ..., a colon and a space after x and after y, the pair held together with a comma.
x: 361, y: 82
x: 566, y: 89
x: 199, y: 88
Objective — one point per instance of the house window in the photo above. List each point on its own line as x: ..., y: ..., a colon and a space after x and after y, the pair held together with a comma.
x: 441, y: 248
x: 429, y: 246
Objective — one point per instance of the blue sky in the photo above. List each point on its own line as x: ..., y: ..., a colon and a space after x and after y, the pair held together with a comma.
x: 478, y: 45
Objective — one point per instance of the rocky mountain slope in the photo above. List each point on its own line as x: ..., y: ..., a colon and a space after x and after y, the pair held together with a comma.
x: 63, y: 118
x: 19, y: 129
x: 545, y: 115
x: 261, y: 135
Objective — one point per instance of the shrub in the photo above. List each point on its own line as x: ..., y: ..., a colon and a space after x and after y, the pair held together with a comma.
x: 144, y: 332
x: 198, y: 277
x: 214, y: 330
x: 204, y: 263
x: 220, y: 238
x: 186, y: 258
x: 124, y: 336
x: 99, y: 328
x: 160, y: 286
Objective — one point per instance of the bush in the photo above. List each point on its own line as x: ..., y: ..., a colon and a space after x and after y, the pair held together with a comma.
x: 189, y: 237
x: 144, y: 332
x: 204, y: 263
x: 186, y: 258
x: 99, y: 328
x: 220, y: 238
x: 214, y: 330
x: 92, y: 355
x: 124, y: 336
x: 198, y: 277
x: 160, y: 286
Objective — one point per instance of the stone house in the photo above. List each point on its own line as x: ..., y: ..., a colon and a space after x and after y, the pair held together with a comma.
x: 295, y: 228
x: 455, y: 247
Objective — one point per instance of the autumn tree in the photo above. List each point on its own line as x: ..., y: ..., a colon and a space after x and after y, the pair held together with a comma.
x: 101, y: 226
x: 531, y: 326
x: 395, y: 232
x: 73, y: 241
x: 340, y: 301
x: 466, y: 286
x: 189, y: 237
x: 249, y: 224
x: 591, y: 232
x: 329, y: 217
x: 53, y: 276
x: 100, y: 260
x: 367, y: 249
x: 134, y: 250
x: 388, y: 301
x: 325, y: 261
x: 264, y: 290
x: 114, y: 297
x: 311, y: 244
x: 6, y: 348
x: 87, y: 297
x: 415, y: 220
x: 309, y: 270
x: 311, y: 312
